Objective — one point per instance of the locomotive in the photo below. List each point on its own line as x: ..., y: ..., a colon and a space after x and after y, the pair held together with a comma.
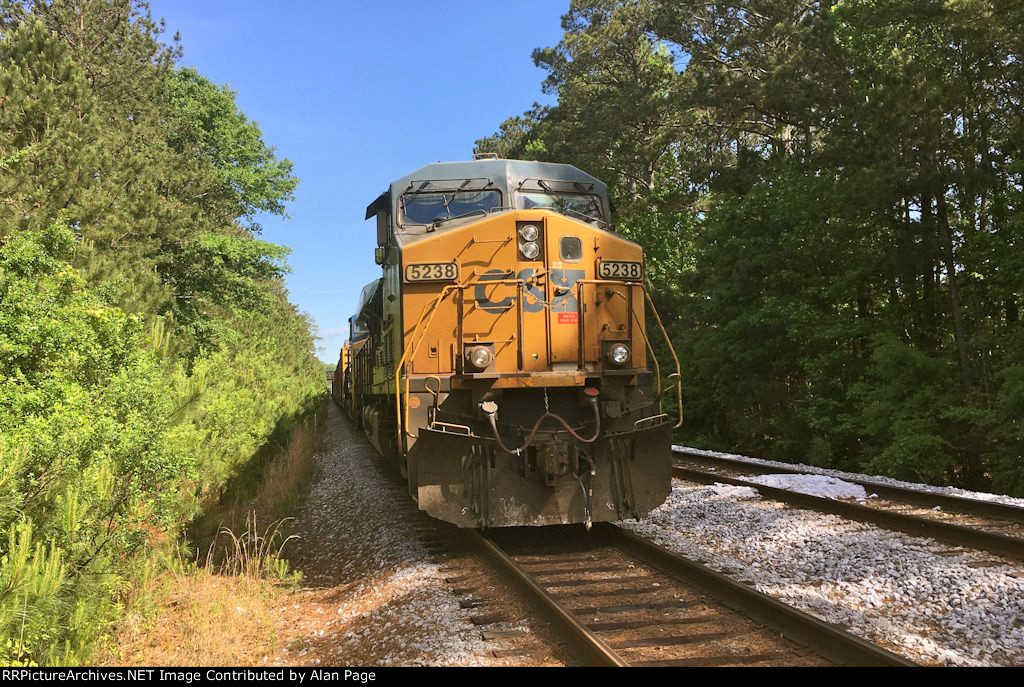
x: 503, y: 361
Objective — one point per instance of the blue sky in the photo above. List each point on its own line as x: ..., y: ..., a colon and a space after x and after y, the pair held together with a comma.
x: 357, y: 94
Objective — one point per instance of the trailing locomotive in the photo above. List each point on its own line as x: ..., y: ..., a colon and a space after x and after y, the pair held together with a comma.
x: 503, y: 361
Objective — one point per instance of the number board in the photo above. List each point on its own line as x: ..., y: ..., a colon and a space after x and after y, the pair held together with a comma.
x: 618, y: 269
x: 433, y: 271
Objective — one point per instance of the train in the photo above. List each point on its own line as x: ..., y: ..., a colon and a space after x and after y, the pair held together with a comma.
x: 504, y: 361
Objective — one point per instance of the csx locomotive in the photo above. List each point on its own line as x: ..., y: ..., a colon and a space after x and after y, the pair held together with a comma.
x: 504, y: 360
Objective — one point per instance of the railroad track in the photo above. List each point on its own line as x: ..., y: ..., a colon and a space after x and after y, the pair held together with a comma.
x: 619, y: 600
x: 989, y: 526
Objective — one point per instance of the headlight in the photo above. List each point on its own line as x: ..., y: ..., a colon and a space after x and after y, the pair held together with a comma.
x: 478, y: 357
x: 530, y: 250
x: 618, y: 354
x: 529, y: 232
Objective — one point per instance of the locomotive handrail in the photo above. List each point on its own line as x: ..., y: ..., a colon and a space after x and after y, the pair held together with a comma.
x: 668, y: 342
x: 434, y: 305
x: 402, y: 419
x: 651, y: 418
x: 654, y: 357
x: 675, y: 358
x: 647, y: 341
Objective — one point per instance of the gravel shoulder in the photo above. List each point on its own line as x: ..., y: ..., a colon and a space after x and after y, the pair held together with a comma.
x: 383, y: 584
x: 935, y: 604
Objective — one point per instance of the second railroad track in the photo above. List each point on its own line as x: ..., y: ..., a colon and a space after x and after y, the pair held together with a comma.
x: 983, y: 525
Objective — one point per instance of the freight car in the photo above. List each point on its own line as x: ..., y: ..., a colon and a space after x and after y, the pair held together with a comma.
x: 504, y: 361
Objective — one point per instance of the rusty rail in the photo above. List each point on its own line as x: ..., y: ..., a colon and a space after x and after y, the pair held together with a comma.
x: 915, y: 496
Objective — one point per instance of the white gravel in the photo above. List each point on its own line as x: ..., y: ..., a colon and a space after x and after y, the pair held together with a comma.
x: 876, y: 479
x: 412, y: 620
x: 388, y: 603
x: 814, y: 485
x: 921, y: 598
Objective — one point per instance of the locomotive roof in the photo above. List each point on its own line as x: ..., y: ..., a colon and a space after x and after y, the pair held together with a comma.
x: 504, y: 174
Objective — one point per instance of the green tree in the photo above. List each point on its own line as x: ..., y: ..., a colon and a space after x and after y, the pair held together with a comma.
x: 828, y: 192
x: 88, y: 477
x: 48, y: 121
x: 147, y: 346
x: 208, y: 122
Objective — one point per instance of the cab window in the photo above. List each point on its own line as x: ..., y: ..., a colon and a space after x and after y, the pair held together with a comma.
x: 579, y: 205
x: 426, y: 208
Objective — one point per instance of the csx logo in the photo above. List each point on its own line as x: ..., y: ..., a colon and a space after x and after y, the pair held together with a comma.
x: 566, y: 302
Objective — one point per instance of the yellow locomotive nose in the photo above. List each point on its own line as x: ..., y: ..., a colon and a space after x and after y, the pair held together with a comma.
x: 503, y: 286
x: 535, y: 306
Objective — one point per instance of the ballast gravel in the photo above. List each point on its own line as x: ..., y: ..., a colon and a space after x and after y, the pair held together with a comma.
x: 371, y: 594
x: 813, y: 485
x: 928, y: 601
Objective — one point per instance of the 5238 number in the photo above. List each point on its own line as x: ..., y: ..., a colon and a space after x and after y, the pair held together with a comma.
x: 615, y: 269
x: 437, y: 271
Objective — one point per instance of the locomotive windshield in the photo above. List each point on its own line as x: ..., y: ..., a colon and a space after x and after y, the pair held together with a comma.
x: 426, y: 208
x: 582, y: 205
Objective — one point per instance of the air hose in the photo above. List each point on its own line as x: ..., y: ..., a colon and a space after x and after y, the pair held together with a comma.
x: 492, y: 413
x: 588, y: 494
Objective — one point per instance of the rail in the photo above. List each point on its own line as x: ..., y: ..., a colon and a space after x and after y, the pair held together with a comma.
x: 968, y: 536
x: 927, y: 499
x: 581, y: 283
x: 584, y: 633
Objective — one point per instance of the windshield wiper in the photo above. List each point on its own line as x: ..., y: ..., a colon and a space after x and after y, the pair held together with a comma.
x: 438, y: 221
x: 570, y: 211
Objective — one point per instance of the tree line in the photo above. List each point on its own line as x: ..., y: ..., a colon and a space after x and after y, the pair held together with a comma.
x: 831, y: 197
x: 147, y: 345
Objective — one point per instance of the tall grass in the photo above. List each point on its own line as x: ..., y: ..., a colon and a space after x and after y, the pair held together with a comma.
x: 250, y: 552
x: 228, y: 536
x: 215, y: 604
x: 287, y: 478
